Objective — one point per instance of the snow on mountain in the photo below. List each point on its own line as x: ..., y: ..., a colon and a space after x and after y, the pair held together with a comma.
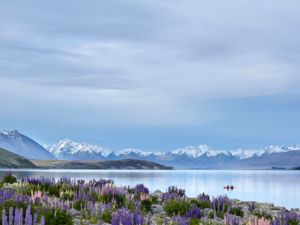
x: 67, y: 149
x: 20, y: 144
x: 249, y: 153
x: 128, y: 151
x: 198, y: 151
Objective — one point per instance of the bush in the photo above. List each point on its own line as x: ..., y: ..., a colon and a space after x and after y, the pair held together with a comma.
x: 10, y: 178
x: 106, y: 216
x: 200, y: 204
x: 54, y: 217
x: 176, y: 207
x: 146, y: 205
x: 237, y: 212
x: 54, y: 190
x: 193, y: 221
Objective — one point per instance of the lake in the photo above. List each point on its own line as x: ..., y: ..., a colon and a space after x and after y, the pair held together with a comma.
x: 273, y: 186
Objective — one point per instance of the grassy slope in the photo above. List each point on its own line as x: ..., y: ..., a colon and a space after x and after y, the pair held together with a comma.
x: 12, y: 160
x: 99, y: 164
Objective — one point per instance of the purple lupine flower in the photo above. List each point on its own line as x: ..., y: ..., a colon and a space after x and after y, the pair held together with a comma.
x: 221, y: 203
x: 11, y: 216
x: 20, y: 220
x: 35, y: 219
x: 167, y: 196
x: 16, y: 218
x: 194, y: 212
x: 178, y: 191
x: 140, y: 188
x: 42, y: 221
x: 124, y: 217
x: 28, y: 217
x: 232, y: 219
x: 4, y: 217
x: 179, y: 220
x: 203, y: 198
x: 286, y: 219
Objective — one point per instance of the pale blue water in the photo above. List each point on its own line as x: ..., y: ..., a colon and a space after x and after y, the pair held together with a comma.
x: 273, y: 186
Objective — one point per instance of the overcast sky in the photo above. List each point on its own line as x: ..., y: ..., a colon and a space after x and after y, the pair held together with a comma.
x: 150, y: 74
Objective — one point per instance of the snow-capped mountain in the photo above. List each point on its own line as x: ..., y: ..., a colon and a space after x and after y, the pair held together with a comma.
x: 201, y: 156
x: 198, y: 151
x: 23, y: 145
x: 70, y: 150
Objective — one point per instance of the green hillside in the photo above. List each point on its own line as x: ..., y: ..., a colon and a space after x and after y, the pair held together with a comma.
x: 12, y: 160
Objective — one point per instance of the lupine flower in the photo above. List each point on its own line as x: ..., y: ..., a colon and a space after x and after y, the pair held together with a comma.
x: 42, y: 221
x: 140, y: 188
x: 11, y: 216
x: 4, y: 217
x: 203, y: 198
x: 231, y: 219
x: 221, y: 203
x: 124, y: 217
x: 194, y: 212
x: 180, y: 220
x: 175, y: 189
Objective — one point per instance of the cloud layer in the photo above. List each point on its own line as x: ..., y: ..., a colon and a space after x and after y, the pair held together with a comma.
x: 144, y: 64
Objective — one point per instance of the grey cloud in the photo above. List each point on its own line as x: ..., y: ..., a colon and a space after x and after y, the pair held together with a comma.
x: 150, y: 60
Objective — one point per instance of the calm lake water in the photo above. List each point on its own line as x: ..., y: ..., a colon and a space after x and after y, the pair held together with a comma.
x: 279, y: 187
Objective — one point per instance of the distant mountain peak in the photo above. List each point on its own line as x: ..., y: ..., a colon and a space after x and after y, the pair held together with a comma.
x: 66, y: 147
x: 22, y: 145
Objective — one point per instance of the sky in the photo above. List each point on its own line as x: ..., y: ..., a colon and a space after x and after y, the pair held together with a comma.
x: 152, y: 74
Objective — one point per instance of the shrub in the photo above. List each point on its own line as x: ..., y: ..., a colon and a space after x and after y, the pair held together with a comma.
x: 54, y: 190
x: 193, y: 221
x: 54, y: 217
x: 146, y: 205
x: 10, y: 178
x: 200, y: 204
x: 236, y: 212
x: 176, y: 207
x: 106, y: 216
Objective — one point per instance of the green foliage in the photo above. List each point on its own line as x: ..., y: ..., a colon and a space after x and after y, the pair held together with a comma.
x: 154, y: 199
x: 193, y: 221
x: 119, y: 199
x: 67, y: 196
x: 94, y: 196
x: 263, y: 214
x: 54, y: 190
x: 10, y: 179
x: 78, y: 205
x: 106, y: 216
x: 219, y: 214
x: 293, y: 222
x: 237, y: 212
x: 130, y: 206
x: 200, y: 204
x: 54, y: 217
x: 176, y: 207
x: 146, y: 205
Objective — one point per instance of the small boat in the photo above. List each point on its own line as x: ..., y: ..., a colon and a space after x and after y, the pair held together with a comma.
x: 229, y: 187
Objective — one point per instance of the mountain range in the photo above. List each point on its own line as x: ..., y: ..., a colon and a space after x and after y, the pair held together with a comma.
x: 198, y: 157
